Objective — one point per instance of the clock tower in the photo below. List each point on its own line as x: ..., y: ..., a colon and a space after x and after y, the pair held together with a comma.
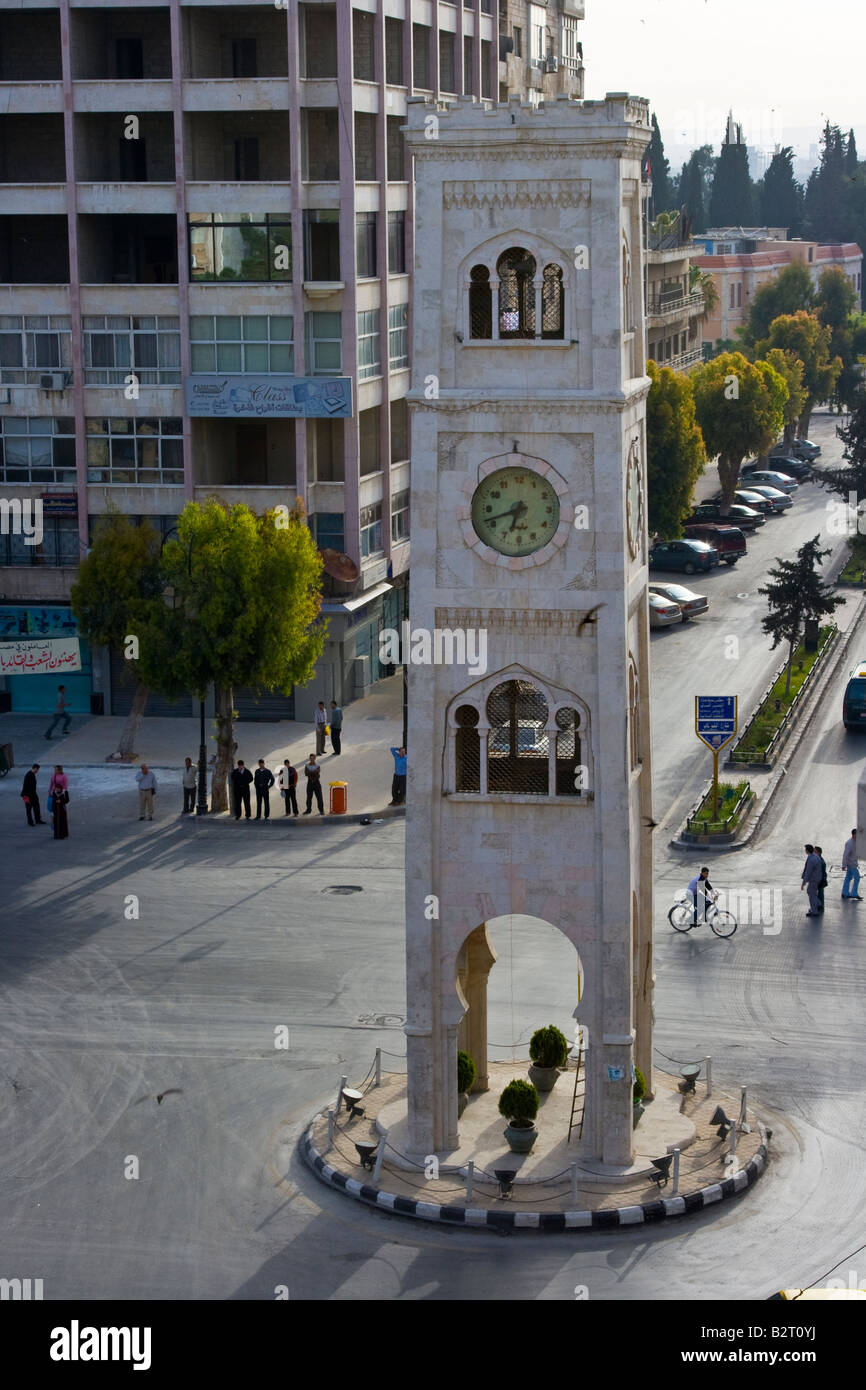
x: 529, y: 783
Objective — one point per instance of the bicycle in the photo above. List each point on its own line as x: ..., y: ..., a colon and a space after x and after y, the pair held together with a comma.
x: 682, y: 916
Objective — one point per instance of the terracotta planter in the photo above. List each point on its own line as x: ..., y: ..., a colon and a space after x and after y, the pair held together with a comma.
x: 543, y: 1078
x: 520, y: 1141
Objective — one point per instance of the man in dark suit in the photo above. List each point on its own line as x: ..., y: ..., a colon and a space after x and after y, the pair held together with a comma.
x: 264, y: 780
x: 31, y: 798
x: 241, y: 779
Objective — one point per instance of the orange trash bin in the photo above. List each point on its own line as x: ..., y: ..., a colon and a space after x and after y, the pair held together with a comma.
x: 339, y: 798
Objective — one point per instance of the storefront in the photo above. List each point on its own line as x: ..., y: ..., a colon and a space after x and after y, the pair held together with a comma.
x: 36, y: 694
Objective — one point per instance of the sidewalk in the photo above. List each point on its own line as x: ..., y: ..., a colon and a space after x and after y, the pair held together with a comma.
x: 370, y: 728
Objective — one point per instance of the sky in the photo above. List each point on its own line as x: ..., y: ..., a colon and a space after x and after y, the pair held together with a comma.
x: 783, y: 65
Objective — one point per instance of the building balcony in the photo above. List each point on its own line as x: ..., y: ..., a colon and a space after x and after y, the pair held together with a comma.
x: 222, y: 196
x: 685, y: 362
x: 139, y: 198
x: 662, y: 308
x: 121, y: 94
x: 33, y: 199
x: 258, y: 498
x: 326, y: 497
x: 28, y: 98
x: 241, y: 94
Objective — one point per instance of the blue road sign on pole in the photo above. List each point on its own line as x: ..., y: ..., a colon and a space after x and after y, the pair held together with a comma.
x: 715, y: 719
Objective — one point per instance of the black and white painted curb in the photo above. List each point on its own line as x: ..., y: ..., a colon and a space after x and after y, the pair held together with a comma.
x: 478, y: 1217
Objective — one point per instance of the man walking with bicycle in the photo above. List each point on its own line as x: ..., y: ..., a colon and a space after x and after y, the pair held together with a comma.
x: 700, y: 886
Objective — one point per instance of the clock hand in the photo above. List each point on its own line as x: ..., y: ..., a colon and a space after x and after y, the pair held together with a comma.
x: 511, y: 511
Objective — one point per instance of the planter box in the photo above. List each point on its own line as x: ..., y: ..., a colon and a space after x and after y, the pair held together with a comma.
x: 739, y: 758
x: 735, y: 821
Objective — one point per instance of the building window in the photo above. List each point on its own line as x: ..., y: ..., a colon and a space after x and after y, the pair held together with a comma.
x: 365, y: 146
x: 569, y: 778
x: 447, y: 71
x: 552, y: 303
x: 396, y: 149
x: 504, y: 743
x: 633, y: 717
x: 518, y: 746
x: 33, y: 344
x: 740, y: 294
x: 398, y: 336
x: 467, y: 65
x: 516, y: 271
x: 259, y: 343
x: 397, y: 243
x: 365, y: 245
x: 240, y: 246
x: 369, y: 344
x: 517, y: 34
x: 369, y: 452
x: 324, y: 343
x: 321, y: 147
x: 126, y: 449
x: 399, y: 414
x: 394, y: 51
x: 58, y: 547
x: 329, y: 530
x: 400, y: 517
x: 485, y: 67
x: 326, y: 446
x: 480, y: 303
x: 468, y: 750
x: 363, y: 61
x: 537, y: 23
x: 37, y: 449
x: 371, y: 530
x: 572, y: 50
x: 322, y: 244
x: 421, y: 56
x: 116, y: 346
x: 733, y: 297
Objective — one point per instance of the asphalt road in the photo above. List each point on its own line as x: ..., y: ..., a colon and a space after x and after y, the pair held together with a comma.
x: 107, y: 1192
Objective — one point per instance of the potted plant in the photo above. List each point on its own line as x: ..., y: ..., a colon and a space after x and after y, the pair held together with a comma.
x: 466, y: 1074
x: 638, y: 1093
x: 518, y: 1104
x: 548, y: 1050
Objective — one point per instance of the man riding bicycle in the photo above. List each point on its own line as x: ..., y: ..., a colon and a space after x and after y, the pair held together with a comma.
x: 700, y: 886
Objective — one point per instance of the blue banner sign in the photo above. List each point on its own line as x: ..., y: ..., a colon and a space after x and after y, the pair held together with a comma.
x: 715, y: 719
x: 269, y: 397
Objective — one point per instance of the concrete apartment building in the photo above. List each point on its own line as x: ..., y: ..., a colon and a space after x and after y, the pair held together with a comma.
x: 673, y: 311
x: 206, y: 253
x: 741, y: 259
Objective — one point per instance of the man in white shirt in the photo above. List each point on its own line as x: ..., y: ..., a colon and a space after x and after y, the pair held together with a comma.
x: 146, y: 792
x: 851, y: 865
x: 320, y: 719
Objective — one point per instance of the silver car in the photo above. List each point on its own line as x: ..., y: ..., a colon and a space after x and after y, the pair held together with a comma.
x: 688, y: 602
x: 662, y: 612
x: 768, y: 478
x: 780, y: 500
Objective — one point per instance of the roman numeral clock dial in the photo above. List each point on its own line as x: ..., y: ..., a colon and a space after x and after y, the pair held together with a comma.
x: 515, y: 511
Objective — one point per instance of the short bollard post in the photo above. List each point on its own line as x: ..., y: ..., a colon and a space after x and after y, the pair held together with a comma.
x: 343, y: 1080
x: 676, y: 1187
x: 378, y: 1081
x: 379, y: 1156
x: 331, y: 1119
x: 470, y: 1170
x: 733, y: 1144
x: 745, y: 1127
x: 574, y: 1183
x: 708, y: 1063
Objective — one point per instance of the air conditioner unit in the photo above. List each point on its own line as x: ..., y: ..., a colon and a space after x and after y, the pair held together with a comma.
x: 54, y: 381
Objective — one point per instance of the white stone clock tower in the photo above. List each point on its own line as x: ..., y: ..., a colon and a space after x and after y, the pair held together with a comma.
x: 529, y: 785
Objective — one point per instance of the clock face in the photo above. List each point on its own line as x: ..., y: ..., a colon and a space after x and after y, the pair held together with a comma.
x: 634, y: 502
x: 515, y: 511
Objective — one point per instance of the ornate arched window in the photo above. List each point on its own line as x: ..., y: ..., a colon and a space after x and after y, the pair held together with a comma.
x: 552, y: 303
x: 633, y: 716
x: 518, y: 746
x: 480, y: 303
x: 516, y: 271
x: 571, y: 775
x: 468, y: 750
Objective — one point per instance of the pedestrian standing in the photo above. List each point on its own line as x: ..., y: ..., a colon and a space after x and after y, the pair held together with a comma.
x: 146, y: 792
x: 58, y: 795
x: 851, y: 865
x: 823, y: 881
x: 313, y: 774
x: 398, y: 783
x: 320, y: 719
x: 812, y: 875
x: 188, y: 779
x: 336, y: 728
x: 30, y: 797
x: 61, y: 711
x: 288, y: 783
x: 264, y: 780
x: 241, y: 779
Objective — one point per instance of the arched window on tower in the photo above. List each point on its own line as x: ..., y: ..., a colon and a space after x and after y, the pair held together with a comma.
x: 468, y: 750
x: 480, y: 303
x: 516, y: 271
x: 518, y: 747
x: 633, y: 716
x: 552, y: 303
x: 571, y: 777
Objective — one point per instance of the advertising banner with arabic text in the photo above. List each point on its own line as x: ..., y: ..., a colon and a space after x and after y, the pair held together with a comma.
x: 40, y: 656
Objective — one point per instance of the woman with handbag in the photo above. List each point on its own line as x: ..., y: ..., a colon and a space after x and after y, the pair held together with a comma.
x: 58, y: 797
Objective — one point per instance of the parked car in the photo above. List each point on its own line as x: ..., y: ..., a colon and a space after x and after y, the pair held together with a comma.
x: 729, y: 541
x: 780, y: 500
x: 531, y: 738
x: 738, y: 515
x: 798, y: 449
x: 750, y: 498
x: 663, y: 613
x: 798, y: 468
x: 690, y: 603
x: 688, y: 556
x: 783, y: 481
x: 854, y: 699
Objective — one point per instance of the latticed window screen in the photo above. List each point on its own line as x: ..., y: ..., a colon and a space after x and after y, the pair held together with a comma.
x: 518, y: 749
x: 516, y: 271
x: 569, y: 779
x: 480, y: 303
x: 552, y: 315
x: 633, y: 716
x: 468, y: 750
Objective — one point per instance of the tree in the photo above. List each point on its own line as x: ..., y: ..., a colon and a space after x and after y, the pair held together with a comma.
x: 660, y: 171
x: 781, y: 196
x: 795, y: 594
x: 245, y: 595
x: 802, y: 334
x: 702, y: 282
x: 852, y: 478
x: 692, y: 193
x: 787, y: 292
x: 824, y: 211
x: 851, y: 155
x: 117, y: 583
x: 675, y: 450
x: 739, y: 404
x: 790, y: 368
x: 836, y: 298
x: 733, y: 201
